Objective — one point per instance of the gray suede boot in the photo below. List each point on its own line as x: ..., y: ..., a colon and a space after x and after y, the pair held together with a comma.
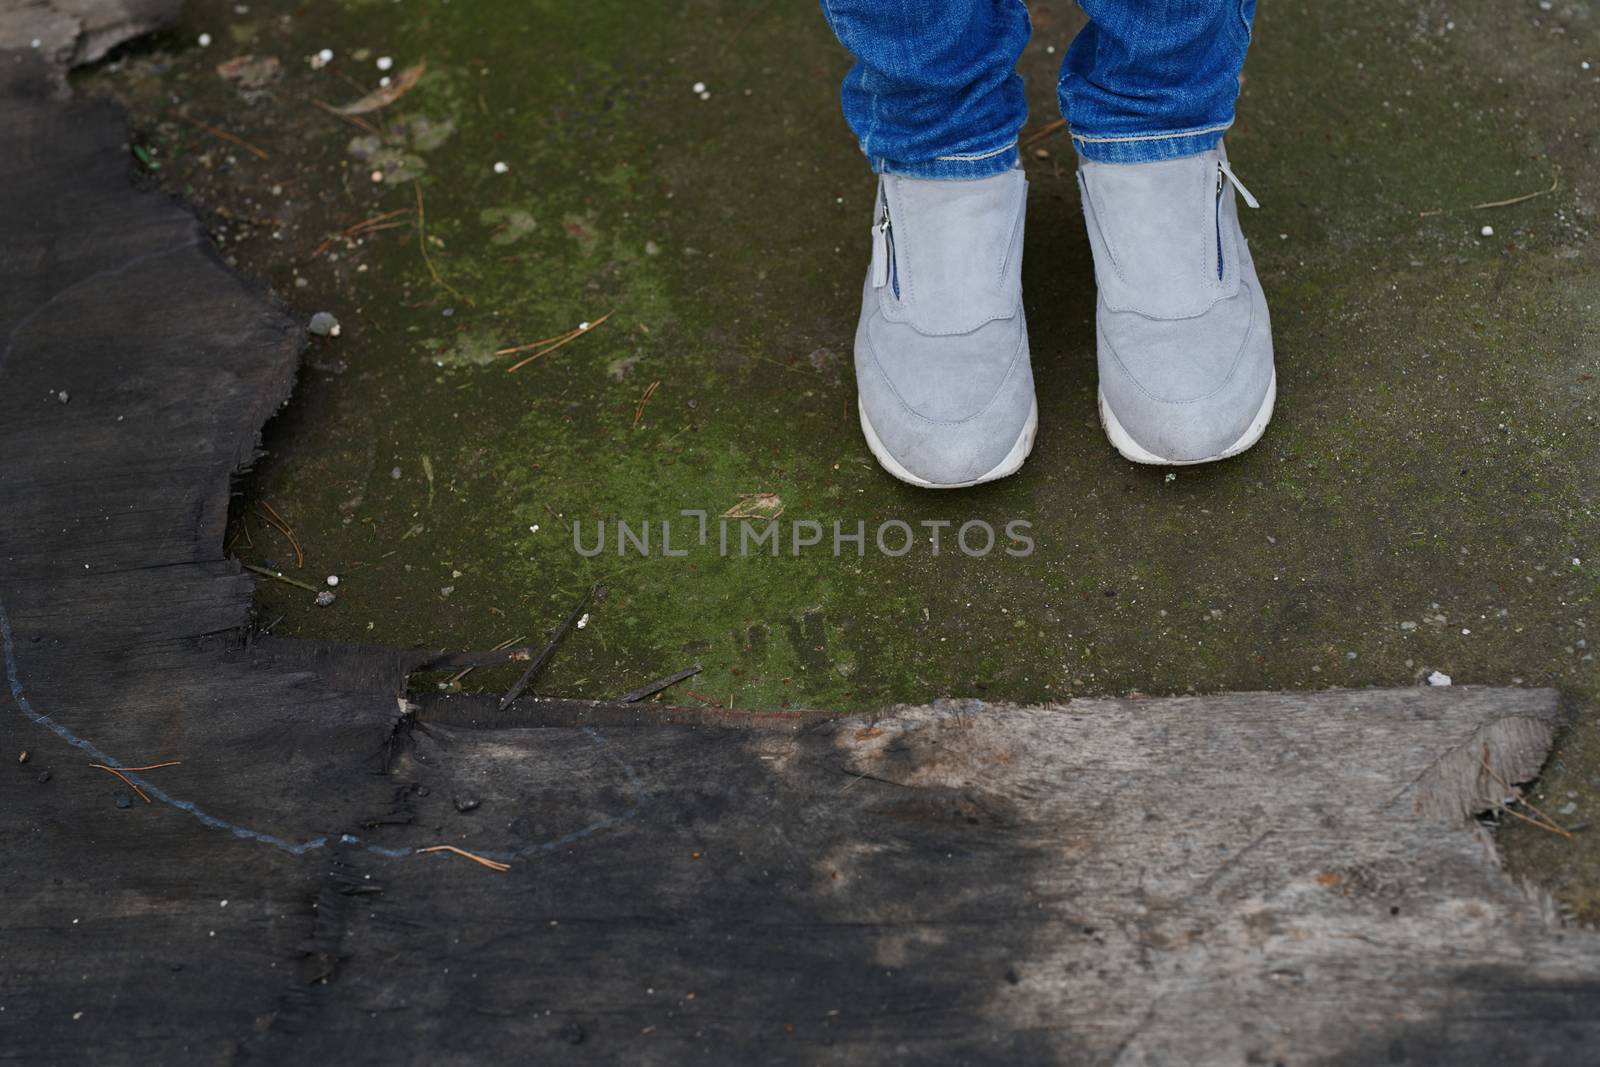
x: 942, y: 365
x: 1184, y: 342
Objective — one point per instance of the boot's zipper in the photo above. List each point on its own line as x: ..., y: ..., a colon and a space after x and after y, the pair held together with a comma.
x: 1225, y: 174
x: 1219, y: 222
x: 883, y: 265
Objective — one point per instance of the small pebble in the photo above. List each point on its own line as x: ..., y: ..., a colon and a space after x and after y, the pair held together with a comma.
x: 326, y: 55
x: 1438, y: 678
x: 464, y: 804
x: 204, y: 40
x: 699, y: 87
x: 502, y: 168
x: 325, y: 598
x: 377, y: 177
x: 1567, y: 809
x: 385, y: 62
x: 124, y: 800
x: 333, y: 579
x: 583, y: 621
x: 324, y: 324
x: 383, y: 82
x: 1487, y: 231
x: 395, y: 474
x: 62, y: 396
x: 22, y: 757
x: 44, y: 776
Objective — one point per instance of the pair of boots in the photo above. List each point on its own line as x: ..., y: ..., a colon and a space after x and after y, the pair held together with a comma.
x: 1184, y: 344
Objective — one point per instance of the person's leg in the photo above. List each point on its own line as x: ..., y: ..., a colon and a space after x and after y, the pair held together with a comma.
x: 1183, y: 337
x: 941, y: 355
x: 934, y: 91
x: 1154, y: 79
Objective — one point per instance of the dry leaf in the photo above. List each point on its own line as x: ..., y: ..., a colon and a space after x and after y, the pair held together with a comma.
x: 249, y: 72
x: 756, y: 506
x: 402, y: 84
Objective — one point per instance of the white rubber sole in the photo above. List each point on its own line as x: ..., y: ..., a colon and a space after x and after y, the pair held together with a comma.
x: 1134, y: 452
x: 1009, y: 465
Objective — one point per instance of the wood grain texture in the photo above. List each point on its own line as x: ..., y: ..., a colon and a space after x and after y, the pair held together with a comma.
x: 1261, y: 878
x: 73, y: 32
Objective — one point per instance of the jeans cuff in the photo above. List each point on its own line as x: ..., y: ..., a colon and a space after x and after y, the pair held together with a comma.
x: 1149, y: 147
x: 952, y: 168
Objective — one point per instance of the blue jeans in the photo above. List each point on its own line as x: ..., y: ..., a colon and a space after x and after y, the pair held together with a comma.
x: 934, y: 92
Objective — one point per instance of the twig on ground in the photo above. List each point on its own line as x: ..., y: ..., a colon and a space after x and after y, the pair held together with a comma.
x: 364, y: 227
x: 225, y: 136
x: 493, y: 865
x: 1049, y: 129
x: 1544, y: 822
x: 280, y: 576
x: 129, y: 782
x: 705, y: 697
x: 644, y: 401
x: 645, y: 692
x: 422, y: 241
x: 501, y: 647
x: 549, y: 649
x: 354, y: 120
x: 281, y: 524
x: 1554, y: 185
x: 549, y: 344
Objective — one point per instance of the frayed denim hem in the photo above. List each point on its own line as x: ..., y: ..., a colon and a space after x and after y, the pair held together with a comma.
x: 1148, y: 147
x: 966, y: 167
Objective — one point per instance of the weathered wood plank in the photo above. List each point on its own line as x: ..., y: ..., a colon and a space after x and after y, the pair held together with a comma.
x: 72, y: 32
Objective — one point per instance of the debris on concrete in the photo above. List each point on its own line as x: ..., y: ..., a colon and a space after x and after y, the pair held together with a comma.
x: 250, y: 71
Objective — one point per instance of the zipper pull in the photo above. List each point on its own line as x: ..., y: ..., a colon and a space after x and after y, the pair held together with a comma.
x: 1224, y: 170
x: 880, y: 250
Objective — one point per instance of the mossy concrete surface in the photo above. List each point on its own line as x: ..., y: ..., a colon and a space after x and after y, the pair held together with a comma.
x: 1424, y: 500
